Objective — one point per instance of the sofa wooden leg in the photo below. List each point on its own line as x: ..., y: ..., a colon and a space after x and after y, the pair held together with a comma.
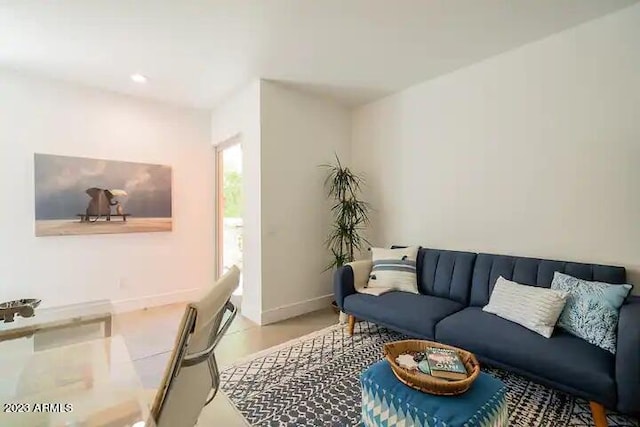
x: 351, y: 325
x: 599, y: 414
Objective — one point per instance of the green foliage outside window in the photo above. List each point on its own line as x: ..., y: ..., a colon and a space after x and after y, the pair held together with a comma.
x: 232, y: 194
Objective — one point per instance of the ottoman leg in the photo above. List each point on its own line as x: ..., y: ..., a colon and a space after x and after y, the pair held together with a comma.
x: 599, y: 414
x: 352, y: 323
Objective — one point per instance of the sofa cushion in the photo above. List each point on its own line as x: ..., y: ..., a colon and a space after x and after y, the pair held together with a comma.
x: 533, y: 272
x: 445, y: 274
x: 564, y: 360
x: 405, y: 312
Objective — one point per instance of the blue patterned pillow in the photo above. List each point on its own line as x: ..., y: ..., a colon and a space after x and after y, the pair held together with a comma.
x: 592, y: 309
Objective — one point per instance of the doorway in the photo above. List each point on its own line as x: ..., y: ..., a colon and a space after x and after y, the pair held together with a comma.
x: 230, y: 205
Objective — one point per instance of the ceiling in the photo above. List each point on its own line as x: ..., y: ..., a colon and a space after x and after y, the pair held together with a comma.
x: 197, y: 52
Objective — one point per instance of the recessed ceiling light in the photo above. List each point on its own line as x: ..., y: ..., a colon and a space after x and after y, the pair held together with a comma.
x: 138, y: 78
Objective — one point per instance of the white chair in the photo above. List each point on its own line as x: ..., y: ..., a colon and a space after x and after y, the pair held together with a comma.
x: 191, y: 378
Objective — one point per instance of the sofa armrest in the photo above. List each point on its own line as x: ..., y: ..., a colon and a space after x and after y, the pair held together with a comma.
x: 349, y: 277
x: 628, y: 357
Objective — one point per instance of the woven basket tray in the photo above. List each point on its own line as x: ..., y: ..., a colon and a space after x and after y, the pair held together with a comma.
x: 427, y: 383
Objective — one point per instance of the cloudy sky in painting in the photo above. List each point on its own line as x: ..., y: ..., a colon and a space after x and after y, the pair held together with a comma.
x: 61, y: 182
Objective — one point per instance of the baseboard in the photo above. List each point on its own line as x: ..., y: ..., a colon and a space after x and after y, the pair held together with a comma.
x: 296, y: 309
x: 269, y: 316
x: 250, y: 312
x: 140, y: 303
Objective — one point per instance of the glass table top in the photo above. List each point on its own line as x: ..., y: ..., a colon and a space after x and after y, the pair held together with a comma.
x: 87, y: 384
x: 58, y: 316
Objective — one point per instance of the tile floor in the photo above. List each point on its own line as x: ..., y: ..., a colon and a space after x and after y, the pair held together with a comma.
x: 150, y: 333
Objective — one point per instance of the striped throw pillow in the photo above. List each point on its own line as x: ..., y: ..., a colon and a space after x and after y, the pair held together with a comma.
x: 533, y: 307
x: 394, y: 269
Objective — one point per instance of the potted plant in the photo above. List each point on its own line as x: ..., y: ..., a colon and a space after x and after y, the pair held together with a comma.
x: 350, y: 215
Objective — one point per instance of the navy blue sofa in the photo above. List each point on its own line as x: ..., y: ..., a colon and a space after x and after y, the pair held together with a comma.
x: 454, y: 286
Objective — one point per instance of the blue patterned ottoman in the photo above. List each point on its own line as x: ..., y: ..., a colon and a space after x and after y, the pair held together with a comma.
x: 386, y: 402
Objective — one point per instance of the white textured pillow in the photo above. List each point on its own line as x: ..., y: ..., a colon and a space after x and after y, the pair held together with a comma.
x: 534, y: 308
x: 394, y: 269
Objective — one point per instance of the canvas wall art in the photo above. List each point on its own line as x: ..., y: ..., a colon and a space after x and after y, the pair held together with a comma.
x: 75, y: 195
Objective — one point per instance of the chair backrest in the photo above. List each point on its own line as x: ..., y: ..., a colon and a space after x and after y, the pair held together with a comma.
x: 192, y: 373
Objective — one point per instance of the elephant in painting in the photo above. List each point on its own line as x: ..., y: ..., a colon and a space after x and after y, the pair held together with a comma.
x: 101, y: 202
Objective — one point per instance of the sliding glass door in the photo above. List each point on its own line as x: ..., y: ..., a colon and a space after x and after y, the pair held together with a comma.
x: 229, y: 206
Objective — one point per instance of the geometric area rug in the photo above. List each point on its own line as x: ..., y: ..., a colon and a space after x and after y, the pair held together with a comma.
x: 314, y: 381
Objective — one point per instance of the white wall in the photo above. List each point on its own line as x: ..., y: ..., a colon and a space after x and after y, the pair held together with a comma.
x: 239, y: 117
x: 285, y: 136
x: 299, y: 132
x: 533, y: 152
x: 133, y: 270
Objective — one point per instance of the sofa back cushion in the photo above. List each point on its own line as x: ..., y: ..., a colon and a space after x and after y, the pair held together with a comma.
x: 533, y: 272
x: 445, y: 274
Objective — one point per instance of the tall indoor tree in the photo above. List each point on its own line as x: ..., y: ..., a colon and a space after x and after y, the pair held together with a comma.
x: 350, y: 214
